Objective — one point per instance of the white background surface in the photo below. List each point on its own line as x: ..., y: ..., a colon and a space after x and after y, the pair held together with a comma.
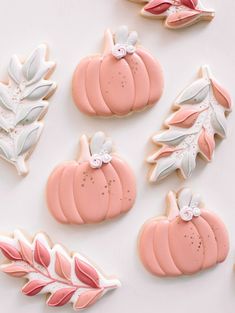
x: 73, y: 29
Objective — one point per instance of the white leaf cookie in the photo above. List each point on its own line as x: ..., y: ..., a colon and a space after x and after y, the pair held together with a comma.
x: 23, y: 105
x: 201, y: 111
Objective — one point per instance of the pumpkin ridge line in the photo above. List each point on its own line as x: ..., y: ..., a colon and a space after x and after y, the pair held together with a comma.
x: 168, y: 240
x: 101, y: 91
x: 148, y: 75
x: 74, y: 199
x: 106, y: 215
x: 59, y: 196
x: 132, y: 75
x: 154, y: 250
x: 59, y: 199
x: 85, y: 85
x: 121, y: 184
x: 216, y: 240
x: 74, y: 194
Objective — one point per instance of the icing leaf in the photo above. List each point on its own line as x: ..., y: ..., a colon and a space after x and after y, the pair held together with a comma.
x: 41, y: 254
x: 16, y: 270
x: 28, y: 138
x: 61, y: 296
x: 87, y: 298
x: 192, y: 4
x: 15, y: 69
x: 182, y: 18
x: 157, y: 6
x: 97, y: 142
x: 5, y: 150
x: 184, y: 118
x: 5, y: 100
x: 188, y: 163
x: 10, y: 252
x: 206, y: 144
x: 132, y: 38
x: 162, y: 153
x: 170, y: 137
x: 26, y: 252
x: 62, y: 266
x: 219, y: 123
x: 33, y: 287
x: 4, y: 124
x: 184, y: 197
x: 195, y: 93
x: 195, y: 202
x: 163, y: 169
x: 221, y: 95
x: 86, y: 273
x: 30, y: 113
x: 32, y: 65
x: 38, y: 92
x: 121, y: 34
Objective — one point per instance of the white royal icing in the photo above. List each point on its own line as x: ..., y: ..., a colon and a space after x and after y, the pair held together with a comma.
x: 22, y: 107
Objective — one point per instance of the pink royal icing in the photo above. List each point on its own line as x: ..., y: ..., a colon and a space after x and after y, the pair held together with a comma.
x: 185, y: 241
x: 97, y: 187
x: 125, y: 78
x: 51, y: 270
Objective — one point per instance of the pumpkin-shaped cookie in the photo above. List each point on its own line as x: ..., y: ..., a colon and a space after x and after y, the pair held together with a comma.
x: 125, y: 78
x: 99, y: 186
x: 185, y: 241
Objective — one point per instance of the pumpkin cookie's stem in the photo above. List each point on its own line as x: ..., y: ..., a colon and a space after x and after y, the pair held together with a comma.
x: 172, y: 209
x: 84, y: 149
x: 108, y: 41
x: 206, y: 71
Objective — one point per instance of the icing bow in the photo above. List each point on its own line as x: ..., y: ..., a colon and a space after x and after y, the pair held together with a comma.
x: 124, y: 42
x: 188, y: 204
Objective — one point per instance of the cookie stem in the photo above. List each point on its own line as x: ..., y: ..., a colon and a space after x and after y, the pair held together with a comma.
x: 84, y: 149
x: 108, y: 41
x: 172, y: 210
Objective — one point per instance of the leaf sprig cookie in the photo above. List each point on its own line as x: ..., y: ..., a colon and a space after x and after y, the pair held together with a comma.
x: 177, y: 13
x: 50, y: 270
x: 23, y: 105
x: 186, y: 240
x: 201, y: 114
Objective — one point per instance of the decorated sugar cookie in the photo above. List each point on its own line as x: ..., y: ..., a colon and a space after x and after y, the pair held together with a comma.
x: 186, y: 240
x: 96, y: 187
x: 176, y: 13
x: 23, y: 105
x: 201, y: 111
x: 50, y: 270
x: 123, y: 79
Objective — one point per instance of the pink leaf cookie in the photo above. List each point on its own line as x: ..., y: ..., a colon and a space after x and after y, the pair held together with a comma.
x: 201, y: 111
x: 125, y: 78
x: 176, y: 13
x: 67, y: 278
x: 23, y: 105
x: 186, y: 240
x: 97, y: 187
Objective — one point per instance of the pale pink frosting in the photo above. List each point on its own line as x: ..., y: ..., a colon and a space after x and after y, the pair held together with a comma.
x: 104, y: 85
x: 79, y: 194
x: 173, y: 247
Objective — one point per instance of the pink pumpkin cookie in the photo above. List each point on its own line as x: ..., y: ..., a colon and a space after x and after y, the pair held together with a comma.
x: 97, y: 187
x: 49, y: 269
x: 185, y: 241
x: 125, y: 78
x: 177, y: 13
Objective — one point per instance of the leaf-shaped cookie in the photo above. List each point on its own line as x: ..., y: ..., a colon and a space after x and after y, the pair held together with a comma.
x: 23, y: 106
x: 191, y: 129
x: 52, y: 271
x: 178, y: 13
